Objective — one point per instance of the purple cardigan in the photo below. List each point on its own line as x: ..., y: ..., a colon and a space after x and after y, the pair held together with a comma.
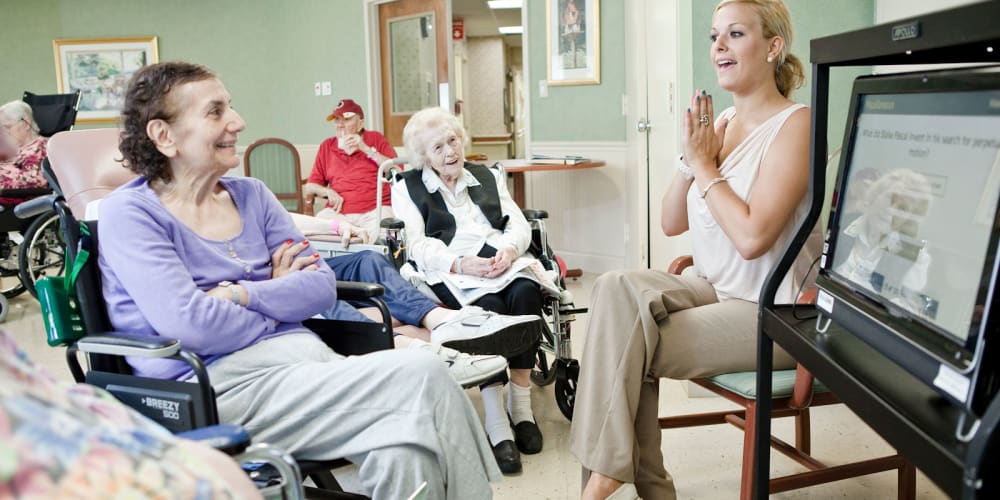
x: 155, y: 271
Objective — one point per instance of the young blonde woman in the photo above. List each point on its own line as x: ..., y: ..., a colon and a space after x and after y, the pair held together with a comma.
x: 740, y: 191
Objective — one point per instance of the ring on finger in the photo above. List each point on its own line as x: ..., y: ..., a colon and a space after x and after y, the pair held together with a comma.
x: 703, y: 120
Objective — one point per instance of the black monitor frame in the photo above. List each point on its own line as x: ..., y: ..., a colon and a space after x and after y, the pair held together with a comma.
x: 921, y: 347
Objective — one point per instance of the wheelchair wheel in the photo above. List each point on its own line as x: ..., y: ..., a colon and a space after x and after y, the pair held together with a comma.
x: 42, y: 252
x: 4, y: 308
x: 10, y: 282
x: 543, y: 374
x: 567, y: 373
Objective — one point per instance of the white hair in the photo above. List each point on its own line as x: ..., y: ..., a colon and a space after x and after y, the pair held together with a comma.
x: 428, y: 118
x: 19, y: 110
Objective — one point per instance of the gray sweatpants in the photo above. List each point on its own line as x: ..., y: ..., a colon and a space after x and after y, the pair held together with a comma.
x: 644, y: 325
x: 398, y: 414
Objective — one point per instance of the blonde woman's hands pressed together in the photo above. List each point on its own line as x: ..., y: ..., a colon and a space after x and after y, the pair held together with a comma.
x: 702, y: 138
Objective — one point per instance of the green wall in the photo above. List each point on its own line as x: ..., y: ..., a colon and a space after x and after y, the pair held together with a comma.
x: 267, y: 52
x: 579, y: 112
x: 593, y: 112
x: 810, y: 19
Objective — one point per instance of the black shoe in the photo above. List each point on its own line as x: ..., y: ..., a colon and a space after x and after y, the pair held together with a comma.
x: 528, y: 437
x: 507, y: 457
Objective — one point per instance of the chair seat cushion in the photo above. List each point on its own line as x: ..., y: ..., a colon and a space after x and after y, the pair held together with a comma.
x: 745, y: 383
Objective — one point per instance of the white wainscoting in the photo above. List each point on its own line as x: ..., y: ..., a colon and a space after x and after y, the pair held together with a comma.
x: 587, y: 208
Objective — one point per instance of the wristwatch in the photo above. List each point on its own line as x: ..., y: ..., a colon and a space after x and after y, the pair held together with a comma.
x: 236, y: 293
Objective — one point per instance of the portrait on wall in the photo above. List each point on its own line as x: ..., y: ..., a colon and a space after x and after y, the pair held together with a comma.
x: 574, y: 44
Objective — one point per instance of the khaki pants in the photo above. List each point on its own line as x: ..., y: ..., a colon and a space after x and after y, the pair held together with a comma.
x: 646, y: 325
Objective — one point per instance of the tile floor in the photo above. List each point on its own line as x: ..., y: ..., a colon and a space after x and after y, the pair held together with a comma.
x: 704, y: 461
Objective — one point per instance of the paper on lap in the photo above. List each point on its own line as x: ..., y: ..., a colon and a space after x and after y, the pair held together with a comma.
x: 468, y: 289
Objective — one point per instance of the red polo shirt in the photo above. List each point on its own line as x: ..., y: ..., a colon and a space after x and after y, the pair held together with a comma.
x: 352, y: 175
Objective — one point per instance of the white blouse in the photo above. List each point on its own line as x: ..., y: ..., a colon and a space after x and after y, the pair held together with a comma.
x: 472, y: 229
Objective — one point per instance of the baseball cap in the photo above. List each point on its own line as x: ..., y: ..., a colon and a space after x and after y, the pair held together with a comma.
x: 346, y: 108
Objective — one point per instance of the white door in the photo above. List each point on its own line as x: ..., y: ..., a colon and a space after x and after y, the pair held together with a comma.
x: 658, y: 46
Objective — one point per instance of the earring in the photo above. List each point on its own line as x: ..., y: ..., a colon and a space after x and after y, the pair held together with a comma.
x: 770, y: 59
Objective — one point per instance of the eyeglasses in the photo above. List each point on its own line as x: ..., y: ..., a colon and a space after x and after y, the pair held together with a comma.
x: 10, y: 125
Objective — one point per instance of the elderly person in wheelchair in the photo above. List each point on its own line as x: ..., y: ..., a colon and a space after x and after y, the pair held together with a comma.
x: 467, y: 237
x: 217, y: 263
x: 22, y: 150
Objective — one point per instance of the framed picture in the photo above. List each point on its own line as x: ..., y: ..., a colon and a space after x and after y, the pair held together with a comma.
x: 100, y: 69
x: 574, y: 42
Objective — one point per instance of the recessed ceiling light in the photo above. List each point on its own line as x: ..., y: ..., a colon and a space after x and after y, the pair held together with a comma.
x: 511, y: 30
x: 505, y: 4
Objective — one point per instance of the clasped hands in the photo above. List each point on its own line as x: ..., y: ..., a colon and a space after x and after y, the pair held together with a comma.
x: 702, y: 138
x: 489, y: 267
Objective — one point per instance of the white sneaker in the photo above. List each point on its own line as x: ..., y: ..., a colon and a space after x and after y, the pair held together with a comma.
x: 467, y: 369
x: 477, y: 331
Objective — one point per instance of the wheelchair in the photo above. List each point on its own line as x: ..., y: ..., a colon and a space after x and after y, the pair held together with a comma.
x: 85, y: 163
x: 31, y: 249
x: 559, y: 311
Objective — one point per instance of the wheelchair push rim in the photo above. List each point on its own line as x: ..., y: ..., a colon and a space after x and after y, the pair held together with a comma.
x: 42, y: 253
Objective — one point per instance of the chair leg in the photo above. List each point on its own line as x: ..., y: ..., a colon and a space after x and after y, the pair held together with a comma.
x: 907, y: 482
x: 746, y: 480
x: 803, y: 442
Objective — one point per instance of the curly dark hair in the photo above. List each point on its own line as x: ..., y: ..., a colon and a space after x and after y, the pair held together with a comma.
x: 146, y: 100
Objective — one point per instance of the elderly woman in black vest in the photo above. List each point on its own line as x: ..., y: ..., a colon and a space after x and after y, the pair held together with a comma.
x: 462, y: 225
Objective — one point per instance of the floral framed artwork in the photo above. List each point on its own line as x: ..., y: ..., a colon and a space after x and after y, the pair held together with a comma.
x: 100, y: 69
x: 574, y: 42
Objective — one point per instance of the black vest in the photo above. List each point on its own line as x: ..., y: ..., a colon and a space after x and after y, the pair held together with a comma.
x: 438, y: 222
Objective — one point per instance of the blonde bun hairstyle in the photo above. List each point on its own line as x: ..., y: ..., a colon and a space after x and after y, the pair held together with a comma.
x: 789, y: 74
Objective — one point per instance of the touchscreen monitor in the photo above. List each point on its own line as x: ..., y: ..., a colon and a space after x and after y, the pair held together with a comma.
x: 912, y: 237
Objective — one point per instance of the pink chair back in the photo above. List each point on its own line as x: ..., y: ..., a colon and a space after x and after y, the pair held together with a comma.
x: 85, y: 163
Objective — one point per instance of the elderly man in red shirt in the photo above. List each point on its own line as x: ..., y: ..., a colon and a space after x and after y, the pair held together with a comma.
x: 346, y: 168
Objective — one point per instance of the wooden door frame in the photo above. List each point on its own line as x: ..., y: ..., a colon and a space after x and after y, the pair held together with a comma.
x: 373, y: 62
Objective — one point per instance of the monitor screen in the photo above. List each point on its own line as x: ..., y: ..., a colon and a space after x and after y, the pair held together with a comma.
x: 919, y: 202
x: 911, y: 260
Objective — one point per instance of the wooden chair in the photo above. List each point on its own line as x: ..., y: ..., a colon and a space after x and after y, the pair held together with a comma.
x: 276, y: 162
x: 793, y: 393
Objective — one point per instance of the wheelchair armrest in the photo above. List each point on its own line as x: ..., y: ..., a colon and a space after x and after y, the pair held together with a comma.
x: 391, y: 223
x: 356, y: 337
x: 356, y: 290
x: 534, y: 214
x: 34, y: 206
x: 125, y: 344
x: 227, y: 438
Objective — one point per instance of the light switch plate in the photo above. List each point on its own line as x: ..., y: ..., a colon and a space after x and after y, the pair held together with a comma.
x: 317, y: 89
x: 327, y: 89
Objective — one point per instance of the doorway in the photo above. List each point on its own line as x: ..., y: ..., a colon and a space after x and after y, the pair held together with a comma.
x: 657, y: 47
x: 414, y: 47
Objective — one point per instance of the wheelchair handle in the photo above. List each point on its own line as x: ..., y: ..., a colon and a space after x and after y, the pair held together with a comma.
x: 390, y: 167
x: 35, y: 206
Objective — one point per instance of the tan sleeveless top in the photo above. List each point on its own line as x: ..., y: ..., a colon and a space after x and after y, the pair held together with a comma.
x: 715, y: 257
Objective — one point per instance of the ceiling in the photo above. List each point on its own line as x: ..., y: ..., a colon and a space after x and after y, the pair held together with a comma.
x: 480, y: 20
